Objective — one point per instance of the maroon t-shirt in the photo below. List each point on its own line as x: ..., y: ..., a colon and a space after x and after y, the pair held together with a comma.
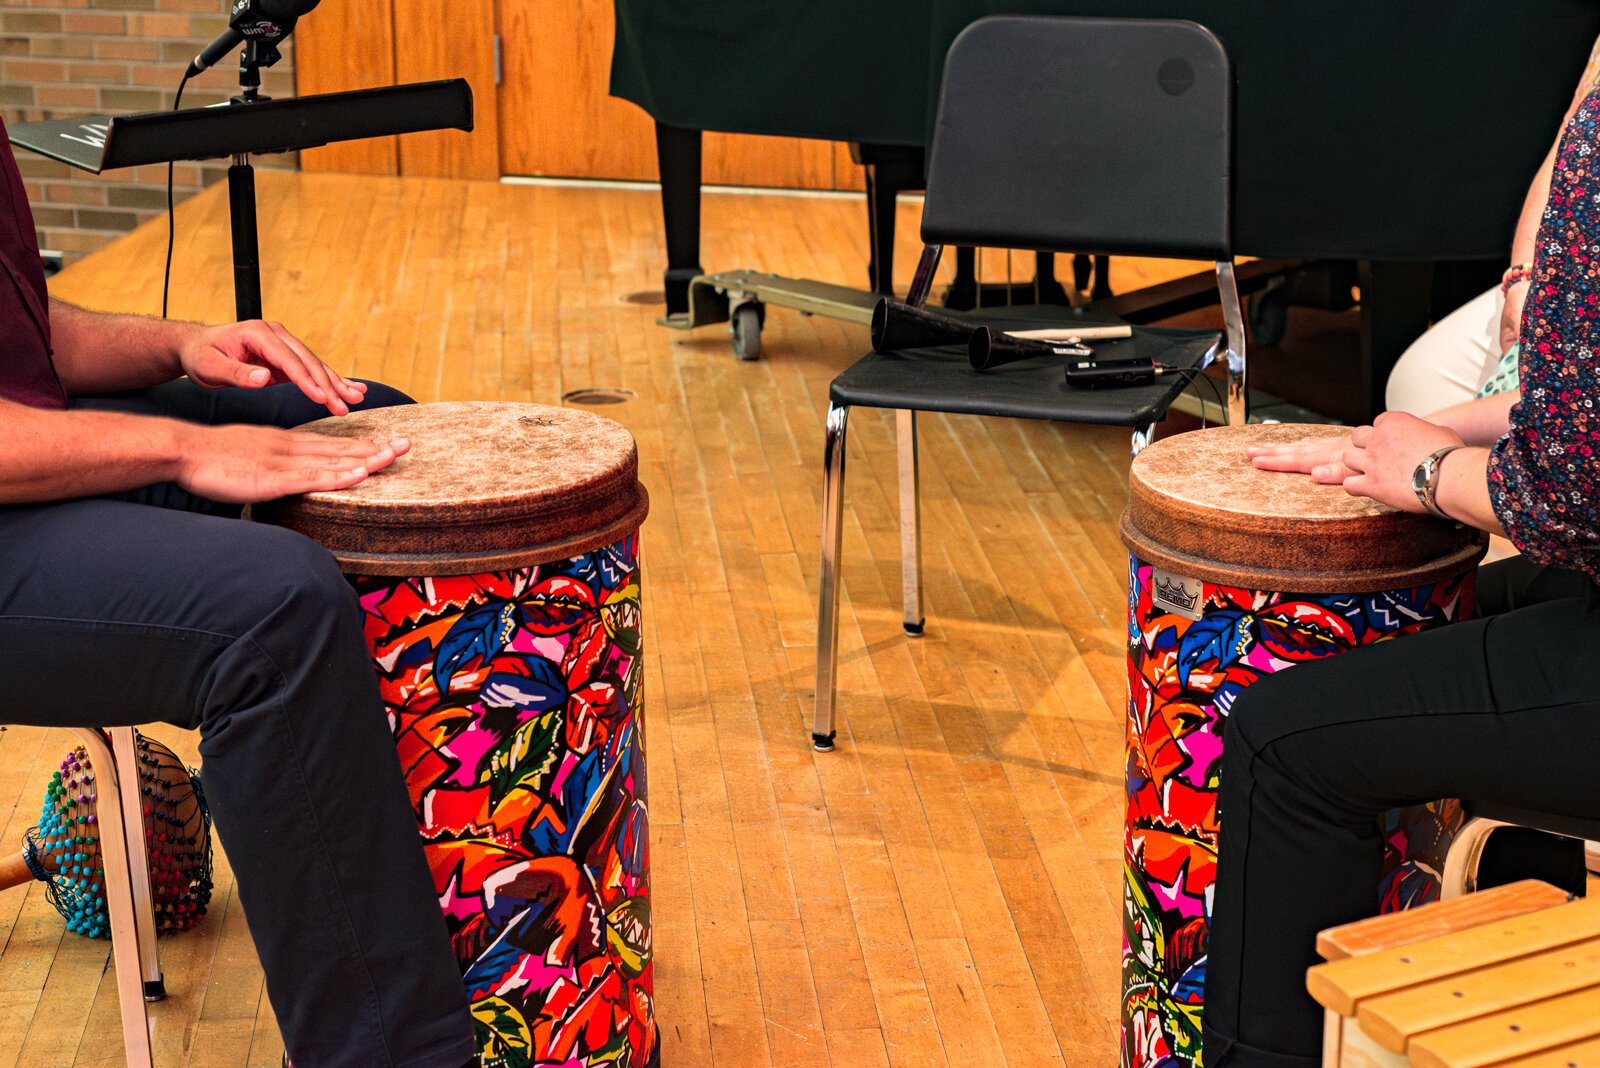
x: 26, y: 373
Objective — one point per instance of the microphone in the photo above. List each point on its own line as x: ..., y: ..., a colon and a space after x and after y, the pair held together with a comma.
x: 267, y: 21
x: 212, y: 53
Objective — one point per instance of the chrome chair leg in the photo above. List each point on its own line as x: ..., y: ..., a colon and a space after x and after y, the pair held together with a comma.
x: 1461, y: 859
x: 114, y: 831
x: 124, y: 746
x: 910, y: 522
x: 822, y: 731
x: 1233, y: 324
x: 1142, y: 436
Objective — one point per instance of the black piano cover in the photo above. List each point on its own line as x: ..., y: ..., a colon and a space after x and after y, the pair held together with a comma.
x: 1367, y: 129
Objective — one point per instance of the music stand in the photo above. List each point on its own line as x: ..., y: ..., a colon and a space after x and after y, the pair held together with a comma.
x: 239, y: 128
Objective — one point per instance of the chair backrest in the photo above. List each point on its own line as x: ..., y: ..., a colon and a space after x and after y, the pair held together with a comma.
x: 1084, y: 135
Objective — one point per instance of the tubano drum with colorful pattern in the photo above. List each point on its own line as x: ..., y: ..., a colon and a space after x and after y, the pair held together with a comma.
x: 497, y: 566
x: 1235, y: 574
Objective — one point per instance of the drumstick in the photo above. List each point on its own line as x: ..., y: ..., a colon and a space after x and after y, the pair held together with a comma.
x: 1074, y: 333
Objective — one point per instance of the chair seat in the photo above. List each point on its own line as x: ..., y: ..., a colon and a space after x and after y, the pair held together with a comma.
x: 942, y: 380
x: 1553, y: 823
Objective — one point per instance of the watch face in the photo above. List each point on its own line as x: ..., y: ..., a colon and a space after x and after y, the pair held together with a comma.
x: 1421, y: 477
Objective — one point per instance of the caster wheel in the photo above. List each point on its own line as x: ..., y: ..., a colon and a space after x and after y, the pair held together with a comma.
x: 1269, y: 317
x: 746, y: 329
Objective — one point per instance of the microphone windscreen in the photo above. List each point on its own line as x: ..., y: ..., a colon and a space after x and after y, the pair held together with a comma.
x: 898, y: 326
x: 286, y: 10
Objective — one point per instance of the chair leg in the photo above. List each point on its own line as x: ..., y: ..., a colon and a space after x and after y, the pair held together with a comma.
x: 922, y: 281
x: 124, y: 747
x: 1461, y: 859
x: 114, y: 822
x: 1233, y: 324
x: 910, y: 522
x: 1142, y: 436
x: 822, y: 733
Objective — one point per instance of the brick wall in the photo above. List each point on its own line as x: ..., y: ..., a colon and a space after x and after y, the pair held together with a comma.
x: 68, y: 58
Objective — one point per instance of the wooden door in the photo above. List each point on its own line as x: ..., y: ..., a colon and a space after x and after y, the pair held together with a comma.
x: 340, y: 46
x: 359, y: 44
x: 450, y: 39
x: 556, y: 116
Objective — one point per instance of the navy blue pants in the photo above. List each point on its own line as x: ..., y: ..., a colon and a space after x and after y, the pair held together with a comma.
x: 1501, y: 708
x: 158, y: 606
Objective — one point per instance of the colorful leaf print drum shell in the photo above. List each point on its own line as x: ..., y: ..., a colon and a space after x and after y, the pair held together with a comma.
x: 497, y: 565
x: 1235, y: 574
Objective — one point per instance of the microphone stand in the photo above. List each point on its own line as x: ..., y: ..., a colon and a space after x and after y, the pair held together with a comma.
x: 242, y: 188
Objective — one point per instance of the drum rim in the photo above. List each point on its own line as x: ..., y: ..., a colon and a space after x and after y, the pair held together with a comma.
x: 1282, y: 580
x: 342, y: 540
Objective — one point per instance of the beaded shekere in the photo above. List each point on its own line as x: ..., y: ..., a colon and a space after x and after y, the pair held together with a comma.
x: 63, y: 851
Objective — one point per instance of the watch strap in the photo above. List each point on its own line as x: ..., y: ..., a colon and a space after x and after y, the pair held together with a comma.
x: 1425, y: 481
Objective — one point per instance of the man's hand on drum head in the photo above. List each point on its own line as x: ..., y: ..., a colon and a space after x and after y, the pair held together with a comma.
x: 1382, y: 458
x: 248, y: 464
x: 254, y: 354
x: 1321, y: 458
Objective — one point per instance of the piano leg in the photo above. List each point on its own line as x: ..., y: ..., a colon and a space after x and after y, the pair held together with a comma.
x: 678, y: 155
x: 1046, y: 289
x: 964, y: 293
x: 1098, y: 268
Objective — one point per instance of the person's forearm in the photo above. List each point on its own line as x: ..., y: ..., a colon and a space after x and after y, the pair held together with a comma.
x: 1463, y: 492
x: 1538, y: 198
x: 1480, y: 421
x: 1522, y: 241
x: 101, y: 353
x: 51, y: 455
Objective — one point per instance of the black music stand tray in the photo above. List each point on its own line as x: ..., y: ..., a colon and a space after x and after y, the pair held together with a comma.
x: 237, y: 130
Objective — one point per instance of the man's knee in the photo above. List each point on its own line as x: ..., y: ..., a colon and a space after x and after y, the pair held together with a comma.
x: 289, y: 574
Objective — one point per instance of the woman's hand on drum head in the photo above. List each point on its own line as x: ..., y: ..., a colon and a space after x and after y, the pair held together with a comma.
x: 248, y: 464
x: 1382, y: 457
x: 254, y: 354
x: 1321, y: 458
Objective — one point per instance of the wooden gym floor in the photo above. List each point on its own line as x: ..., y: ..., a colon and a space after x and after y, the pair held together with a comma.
x: 943, y: 889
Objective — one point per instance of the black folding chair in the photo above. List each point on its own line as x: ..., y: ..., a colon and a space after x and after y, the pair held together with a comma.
x: 1106, y: 136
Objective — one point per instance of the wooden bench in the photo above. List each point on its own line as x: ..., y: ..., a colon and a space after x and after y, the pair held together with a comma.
x: 1509, y: 978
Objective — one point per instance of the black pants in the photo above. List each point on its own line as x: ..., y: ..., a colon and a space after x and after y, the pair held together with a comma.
x: 162, y: 607
x: 1501, y: 708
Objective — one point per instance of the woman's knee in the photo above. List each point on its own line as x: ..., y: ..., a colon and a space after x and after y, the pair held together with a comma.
x: 1273, y: 727
x: 1250, y: 719
x: 1449, y: 363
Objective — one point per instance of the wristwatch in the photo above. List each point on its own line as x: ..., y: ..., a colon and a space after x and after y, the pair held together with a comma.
x: 1425, y: 481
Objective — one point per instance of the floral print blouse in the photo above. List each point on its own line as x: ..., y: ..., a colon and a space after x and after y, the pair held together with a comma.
x: 1544, y: 475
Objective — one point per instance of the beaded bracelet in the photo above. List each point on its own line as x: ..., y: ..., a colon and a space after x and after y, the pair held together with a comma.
x: 1517, y: 272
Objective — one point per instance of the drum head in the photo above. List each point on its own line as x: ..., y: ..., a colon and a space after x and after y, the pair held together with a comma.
x: 1197, y: 506
x: 486, y: 486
